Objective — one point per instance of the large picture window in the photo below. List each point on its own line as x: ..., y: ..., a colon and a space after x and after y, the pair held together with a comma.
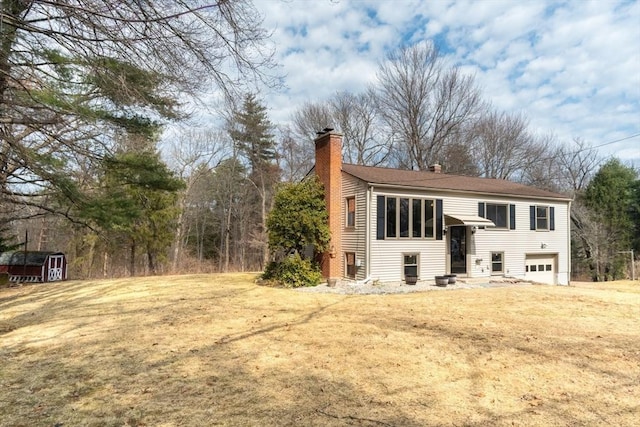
x: 392, y: 219
x: 429, y: 218
x: 416, y: 214
x: 404, y: 217
x: 409, y: 218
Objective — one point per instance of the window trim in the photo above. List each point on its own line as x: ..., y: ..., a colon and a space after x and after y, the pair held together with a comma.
x: 410, y: 218
x: 351, y: 215
x: 533, y: 217
x: 347, y: 265
x: 510, y: 215
x: 506, y: 214
x: 545, y: 217
x: 404, y: 265
x: 501, y: 271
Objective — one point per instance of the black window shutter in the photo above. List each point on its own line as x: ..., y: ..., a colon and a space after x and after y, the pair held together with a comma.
x: 552, y: 219
x: 532, y: 217
x: 512, y: 217
x: 439, y: 219
x: 380, y: 218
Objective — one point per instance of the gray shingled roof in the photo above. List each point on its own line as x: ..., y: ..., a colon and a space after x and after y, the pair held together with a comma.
x: 443, y: 182
x: 34, y: 258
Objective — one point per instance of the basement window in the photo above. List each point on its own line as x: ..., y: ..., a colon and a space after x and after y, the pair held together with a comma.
x: 497, y: 264
x: 410, y: 265
x: 350, y: 258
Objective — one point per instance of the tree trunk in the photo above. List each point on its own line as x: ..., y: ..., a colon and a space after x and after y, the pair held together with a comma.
x: 132, y: 260
x: 151, y: 260
x: 105, y: 264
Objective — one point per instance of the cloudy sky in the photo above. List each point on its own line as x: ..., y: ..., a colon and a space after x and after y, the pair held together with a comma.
x: 572, y: 67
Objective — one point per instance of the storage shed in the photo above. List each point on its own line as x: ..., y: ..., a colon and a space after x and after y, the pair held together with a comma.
x: 34, y: 266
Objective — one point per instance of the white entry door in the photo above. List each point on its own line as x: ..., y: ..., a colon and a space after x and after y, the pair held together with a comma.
x: 55, y: 267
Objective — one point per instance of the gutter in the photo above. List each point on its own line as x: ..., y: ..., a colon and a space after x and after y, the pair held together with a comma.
x: 447, y: 190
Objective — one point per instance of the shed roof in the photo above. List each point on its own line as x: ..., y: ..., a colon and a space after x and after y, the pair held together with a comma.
x: 33, y: 258
x: 443, y: 182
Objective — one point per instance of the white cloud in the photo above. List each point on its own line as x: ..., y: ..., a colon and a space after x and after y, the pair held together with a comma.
x: 573, y: 68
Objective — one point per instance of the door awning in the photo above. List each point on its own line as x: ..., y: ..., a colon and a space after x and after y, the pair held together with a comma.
x: 470, y: 220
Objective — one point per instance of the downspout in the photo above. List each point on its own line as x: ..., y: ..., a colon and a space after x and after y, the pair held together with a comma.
x: 367, y: 238
x: 569, y: 244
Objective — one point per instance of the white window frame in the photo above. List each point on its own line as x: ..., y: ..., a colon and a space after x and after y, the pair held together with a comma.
x: 506, y: 216
x: 405, y: 265
x: 424, y: 202
x: 501, y: 262
x: 351, y: 219
x: 546, y: 218
x: 347, y: 265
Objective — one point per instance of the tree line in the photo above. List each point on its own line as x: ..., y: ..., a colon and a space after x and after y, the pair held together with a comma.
x: 85, y: 93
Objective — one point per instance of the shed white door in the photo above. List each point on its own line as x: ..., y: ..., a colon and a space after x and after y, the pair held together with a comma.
x: 541, y: 268
x: 55, y: 267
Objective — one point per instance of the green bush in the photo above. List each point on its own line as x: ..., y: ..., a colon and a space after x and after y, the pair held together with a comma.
x: 293, y: 272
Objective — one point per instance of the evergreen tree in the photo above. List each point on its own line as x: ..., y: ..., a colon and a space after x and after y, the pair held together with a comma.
x: 136, y: 204
x: 251, y: 133
x: 610, y: 198
x: 250, y: 130
x: 299, y: 220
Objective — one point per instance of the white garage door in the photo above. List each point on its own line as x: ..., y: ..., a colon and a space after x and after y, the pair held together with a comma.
x: 541, y: 268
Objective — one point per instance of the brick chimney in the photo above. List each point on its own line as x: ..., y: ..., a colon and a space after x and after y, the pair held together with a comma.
x: 435, y: 168
x: 329, y: 170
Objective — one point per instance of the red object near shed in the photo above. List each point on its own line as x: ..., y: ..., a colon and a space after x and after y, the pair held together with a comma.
x: 34, y: 266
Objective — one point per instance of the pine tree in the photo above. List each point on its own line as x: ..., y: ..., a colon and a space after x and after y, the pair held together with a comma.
x: 250, y: 131
x: 251, y: 134
x: 610, y: 198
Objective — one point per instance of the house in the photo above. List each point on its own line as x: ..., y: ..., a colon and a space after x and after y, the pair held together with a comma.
x: 387, y: 224
x: 34, y: 266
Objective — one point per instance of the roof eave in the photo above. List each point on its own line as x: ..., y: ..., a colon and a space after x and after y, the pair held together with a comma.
x: 447, y: 190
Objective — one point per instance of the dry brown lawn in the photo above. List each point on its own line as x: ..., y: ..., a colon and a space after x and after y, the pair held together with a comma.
x: 220, y: 350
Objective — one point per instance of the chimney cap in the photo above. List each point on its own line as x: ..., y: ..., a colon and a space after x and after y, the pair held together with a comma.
x: 324, y: 131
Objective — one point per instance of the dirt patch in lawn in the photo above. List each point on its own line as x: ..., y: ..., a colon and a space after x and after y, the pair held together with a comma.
x: 220, y: 350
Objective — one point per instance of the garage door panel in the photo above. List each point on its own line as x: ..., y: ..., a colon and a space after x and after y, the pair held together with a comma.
x: 540, y: 268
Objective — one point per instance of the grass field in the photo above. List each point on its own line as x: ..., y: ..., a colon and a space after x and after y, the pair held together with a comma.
x: 220, y: 350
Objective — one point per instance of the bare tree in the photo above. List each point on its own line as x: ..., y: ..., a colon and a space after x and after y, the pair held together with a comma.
x: 356, y: 115
x: 295, y: 159
x: 309, y: 119
x: 503, y: 145
x: 577, y: 164
x: 193, y: 154
x: 424, y: 102
x: 73, y: 74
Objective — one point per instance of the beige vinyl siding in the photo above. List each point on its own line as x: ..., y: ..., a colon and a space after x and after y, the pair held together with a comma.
x: 516, y: 244
x: 386, y: 255
x: 354, y: 238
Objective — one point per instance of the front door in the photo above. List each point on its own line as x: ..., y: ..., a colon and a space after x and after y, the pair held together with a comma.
x: 458, y: 249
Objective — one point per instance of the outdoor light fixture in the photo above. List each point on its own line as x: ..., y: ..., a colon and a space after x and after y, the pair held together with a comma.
x: 474, y: 229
